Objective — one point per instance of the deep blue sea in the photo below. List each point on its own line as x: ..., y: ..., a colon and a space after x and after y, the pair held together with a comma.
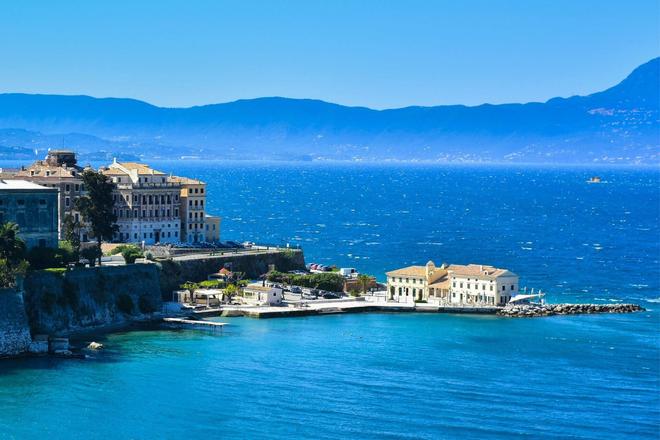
x: 392, y: 375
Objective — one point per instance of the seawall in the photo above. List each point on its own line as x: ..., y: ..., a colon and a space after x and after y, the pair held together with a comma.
x: 14, y: 331
x: 90, y: 297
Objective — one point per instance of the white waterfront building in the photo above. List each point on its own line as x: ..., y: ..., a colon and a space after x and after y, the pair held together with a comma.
x: 454, y: 284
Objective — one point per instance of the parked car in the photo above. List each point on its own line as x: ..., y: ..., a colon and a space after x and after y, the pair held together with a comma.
x: 330, y: 295
x: 295, y: 289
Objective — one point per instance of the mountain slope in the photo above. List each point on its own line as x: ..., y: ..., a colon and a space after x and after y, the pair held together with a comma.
x: 620, y: 124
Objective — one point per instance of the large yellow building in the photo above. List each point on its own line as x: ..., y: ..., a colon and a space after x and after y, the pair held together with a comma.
x: 453, y: 284
x: 193, y: 209
x: 146, y: 203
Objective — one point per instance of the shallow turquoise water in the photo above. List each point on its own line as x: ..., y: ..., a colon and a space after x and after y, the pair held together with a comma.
x: 392, y: 375
x: 351, y: 376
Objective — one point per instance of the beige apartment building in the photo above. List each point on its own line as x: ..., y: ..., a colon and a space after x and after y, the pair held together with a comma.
x: 193, y: 206
x: 212, y: 225
x: 147, y: 203
x: 59, y: 170
x: 453, y: 284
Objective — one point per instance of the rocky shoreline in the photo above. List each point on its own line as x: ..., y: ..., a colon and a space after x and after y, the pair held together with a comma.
x: 537, y: 310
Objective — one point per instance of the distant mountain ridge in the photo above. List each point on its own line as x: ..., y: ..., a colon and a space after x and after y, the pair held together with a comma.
x: 620, y: 124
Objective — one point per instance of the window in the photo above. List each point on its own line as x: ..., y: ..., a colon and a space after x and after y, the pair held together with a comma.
x: 189, y: 190
x: 21, y: 202
x: 176, y: 233
x: 135, y: 236
x: 503, y: 288
x: 77, y: 187
x: 468, y: 286
x: 190, y: 203
x: 196, y: 190
x: 67, y: 202
x: 190, y: 215
x: 144, y: 213
x: 42, y: 201
x: 176, y: 212
x: 461, y: 285
x: 201, y: 190
x: 511, y: 286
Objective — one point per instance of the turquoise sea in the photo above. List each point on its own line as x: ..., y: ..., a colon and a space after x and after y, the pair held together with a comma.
x: 392, y: 375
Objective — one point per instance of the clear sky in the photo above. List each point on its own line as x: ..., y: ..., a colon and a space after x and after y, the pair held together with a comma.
x: 375, y: 53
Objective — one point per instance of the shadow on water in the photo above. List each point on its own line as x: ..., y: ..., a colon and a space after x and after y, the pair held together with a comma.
x: 114, y: 350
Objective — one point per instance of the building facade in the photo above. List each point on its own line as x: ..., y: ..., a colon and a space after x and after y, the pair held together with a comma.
x: 59, y: 170
x: 193, y: 206
x: 212, y: 225
x: 476, y: 284
x: 147, y: 204
x: 453, y: 284
x: 33, y: 208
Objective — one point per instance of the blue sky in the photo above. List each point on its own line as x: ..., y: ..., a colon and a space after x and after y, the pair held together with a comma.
x: 380, y: 54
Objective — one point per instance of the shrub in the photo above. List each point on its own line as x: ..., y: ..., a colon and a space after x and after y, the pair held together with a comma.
x: 91, y: 254
x: 125, y: 304
x: 211, y: 284
x: 326, y: 281
x: 189, y: 286
x: 131, y: 253
x: 46, y: 257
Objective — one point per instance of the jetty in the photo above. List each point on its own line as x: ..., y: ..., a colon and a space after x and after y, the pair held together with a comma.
x: 194, y: 323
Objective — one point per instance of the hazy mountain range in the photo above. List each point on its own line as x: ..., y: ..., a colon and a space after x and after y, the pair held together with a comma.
x: 620, y: 124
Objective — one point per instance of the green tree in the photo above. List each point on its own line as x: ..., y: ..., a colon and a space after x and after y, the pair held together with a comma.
x: 12, y: 247
x: 12, y: 254
x: 230, y: 291
x: 96, y: 206
x: 71, y: 233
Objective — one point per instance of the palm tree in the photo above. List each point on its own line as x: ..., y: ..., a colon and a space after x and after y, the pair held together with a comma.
x: 12, y: 247
x: 365, y: 282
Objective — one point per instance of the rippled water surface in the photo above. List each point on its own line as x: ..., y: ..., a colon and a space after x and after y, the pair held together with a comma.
x: 392, y: 375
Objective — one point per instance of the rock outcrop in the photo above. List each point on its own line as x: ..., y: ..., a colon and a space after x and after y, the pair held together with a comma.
x: 536, y: 310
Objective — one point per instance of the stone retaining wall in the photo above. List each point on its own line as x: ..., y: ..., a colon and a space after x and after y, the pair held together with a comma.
x: 90, y: 297
x: 14, y: 331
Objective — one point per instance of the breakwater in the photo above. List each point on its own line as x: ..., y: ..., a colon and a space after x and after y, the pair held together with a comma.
x: 537, y: 310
